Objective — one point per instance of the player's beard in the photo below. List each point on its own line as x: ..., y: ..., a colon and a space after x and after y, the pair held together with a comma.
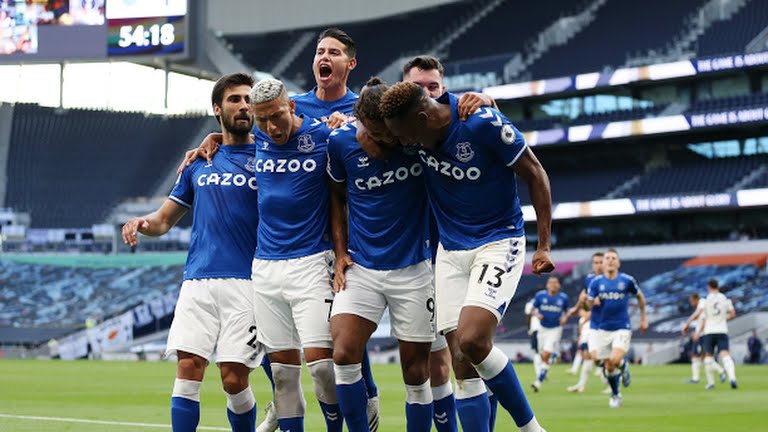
x: 235, y: 128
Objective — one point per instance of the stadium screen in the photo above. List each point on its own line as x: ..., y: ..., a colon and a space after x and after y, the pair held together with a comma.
x: 57, y: 30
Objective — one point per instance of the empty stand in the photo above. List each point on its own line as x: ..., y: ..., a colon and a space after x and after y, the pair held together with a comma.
x: 621, y: 27
x: 732, y: 36
x: 702, y: 176
x: 38, y: 295
x: 70, y: 168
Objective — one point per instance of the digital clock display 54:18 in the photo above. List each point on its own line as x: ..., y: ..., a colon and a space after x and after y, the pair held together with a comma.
x: 137, y: 36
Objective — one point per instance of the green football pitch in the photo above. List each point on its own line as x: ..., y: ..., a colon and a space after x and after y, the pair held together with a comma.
x: 116, y: 396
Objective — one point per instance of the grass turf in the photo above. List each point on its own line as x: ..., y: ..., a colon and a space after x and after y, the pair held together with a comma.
x: 659, y: 400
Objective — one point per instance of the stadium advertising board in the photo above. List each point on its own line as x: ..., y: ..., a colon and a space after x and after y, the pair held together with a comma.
x: 649, y: 126
x: 91, y: 30
x: 655, y: 204
x: 623, y: 76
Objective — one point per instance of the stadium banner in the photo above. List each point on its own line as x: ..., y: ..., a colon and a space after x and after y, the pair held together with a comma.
x: 157, y: 307
x: 142, y: 315
x: 111, y: 333
x: 74, y: 346
x: 656, y: 204
x: 648, y: 126
x: 623, y: 76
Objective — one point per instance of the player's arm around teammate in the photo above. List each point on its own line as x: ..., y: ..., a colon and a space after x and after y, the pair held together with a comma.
x: 381, y: 190
x: 479, y: 261
x: 215, y: 309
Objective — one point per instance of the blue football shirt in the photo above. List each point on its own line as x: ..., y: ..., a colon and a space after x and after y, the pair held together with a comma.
x: 309, y: 105
x: 223, y: 198
x: 294, y: 196
x: 614, y: 296
x: 472, y: 187
x: 551, y: 307
x: 597, y: 310
x: 387, y: 201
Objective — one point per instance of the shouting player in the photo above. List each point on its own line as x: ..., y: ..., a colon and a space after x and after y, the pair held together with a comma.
x: 215, y: 306
x: 470, y: 171
x: 614, y: 288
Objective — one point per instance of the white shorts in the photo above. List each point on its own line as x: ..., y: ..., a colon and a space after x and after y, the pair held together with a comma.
x: 608, y: 341
x: 549, y: 339
x: 593, y: 341
x: 439, y: 344
x: 584, y: 335
x: 293, y: 301
x: 486, y: 277
x: 216, y: 314
x: 409, y: 293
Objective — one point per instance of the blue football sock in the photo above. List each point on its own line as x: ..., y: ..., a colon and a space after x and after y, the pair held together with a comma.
x: 334, y: 422
x: 353, y: 403
x: 445, y: 414
x: 506, y: 387
x: 245, y: 422
x: 474, y: 413
x: 494, y: 402
x: 613, y: 380
x: 185, y: 414
x: 293, y: 424
x: 543, y: 373
x: 418, y: 417
x: 472, y: 404
x: 370, y: 385
x: 268, y: 371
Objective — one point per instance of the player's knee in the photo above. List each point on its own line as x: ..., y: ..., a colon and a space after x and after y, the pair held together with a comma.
x: 415, y: 370
x: 190, y: 367
x: 233, y: 383
x: 474, y: 346
x: 345, y: 355
x: 289, y: 397
x: 440, y: 370
x: 323, y: 380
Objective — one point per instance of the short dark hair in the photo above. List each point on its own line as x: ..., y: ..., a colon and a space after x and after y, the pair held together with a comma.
x: 424, y: 62
x: 598, y: 254
x: 612, y: 250
x: 367, y: 105
x: 226, y: 82
x: 695, y: 296
x: 713, y: 283
x: 341, y: 36
x: 401, y: 99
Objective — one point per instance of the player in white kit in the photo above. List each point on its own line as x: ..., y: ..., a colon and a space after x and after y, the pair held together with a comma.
x: 716, y: 309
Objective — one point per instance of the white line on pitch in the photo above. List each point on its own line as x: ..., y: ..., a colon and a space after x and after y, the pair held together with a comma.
x: 104, y: 422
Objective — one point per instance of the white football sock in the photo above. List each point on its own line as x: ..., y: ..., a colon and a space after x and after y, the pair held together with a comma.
x: 730, y: 367
x: 696, y: 368
x: 586, y: 369
x: 709, y: 370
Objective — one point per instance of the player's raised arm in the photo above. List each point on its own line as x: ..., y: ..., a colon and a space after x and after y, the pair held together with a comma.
x: 154, y: 224
x: 529, y: 168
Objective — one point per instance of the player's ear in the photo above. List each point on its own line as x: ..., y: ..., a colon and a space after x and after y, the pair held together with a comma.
x: 292, y: 105
x: 352, y: 63
x: 423, y: 117
x: 216, y: 110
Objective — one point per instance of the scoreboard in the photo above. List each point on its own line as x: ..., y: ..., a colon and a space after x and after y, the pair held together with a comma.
x: 41, y: 31
x: 137, y: 27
